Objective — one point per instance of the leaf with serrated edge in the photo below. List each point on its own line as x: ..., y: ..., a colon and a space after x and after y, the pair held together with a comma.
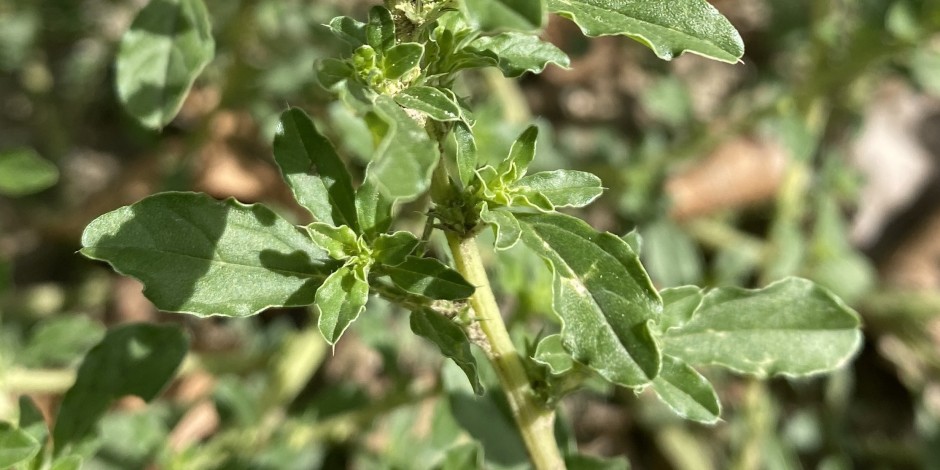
x: 687, y: 392
x: 506, y: 226
x: 198, y: 255
x: 430, y: 278
x: 313, y: 170
x: 603, y: 296
x: 405, y: 158
x: 392, y: 249
x: 669, y: 29
x: 340, y: 300
x: 792, y: 327
x: 520, y: 156
x: 340, y: 242
x: 564, y: 188
x: 505, y: 14
x: 519, y: 53
x: 165, y: 49
x: 431, y: 101
x: 679, y: 304
x: 450, y: 339
x: 135, y: 359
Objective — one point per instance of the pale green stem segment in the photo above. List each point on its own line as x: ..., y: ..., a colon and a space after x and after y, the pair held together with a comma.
x: 535, y: 421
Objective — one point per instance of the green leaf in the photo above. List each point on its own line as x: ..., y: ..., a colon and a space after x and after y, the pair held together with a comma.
x: 32, y: 421
x: 430, y: 278
x: 551, y: 352
x: 679, y: 304
x: 198, y: 255
x: 313, y: 170
x: 380, y: 31
x: 24, y: 172
x: 61, y: 341
x: 406, y: 156
x: 563, y: 188
x: 466, y: 154
x: 519, y: 53
x: 136, y: 359
x: 603, y: 296
x: 687, y: 392
x: 331, y: 71
x: 635, y: 240
x: 466, y: 456
x: 490, y: 15
x: 670, y: 255
x: 791, y: 327
x: 588, y: 462
x: 67, y: 462
x: 505, y: 225
x: 520, y: 156
x: 340, y: 300
x: 374, y: 209
x: 669, y: 29
x: 16, y: 446
x: 401, y: 59
x: 165, y: 49
x: 339, y: 242
x: 349, y: 30
x: 450, y: 339
x: 393, y: 249
x: 431, y: 101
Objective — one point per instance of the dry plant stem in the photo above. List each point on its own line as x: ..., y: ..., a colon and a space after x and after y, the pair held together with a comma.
x: 534, y: 420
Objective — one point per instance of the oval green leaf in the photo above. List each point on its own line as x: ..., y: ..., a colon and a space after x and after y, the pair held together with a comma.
x: 431, y: 101
x: 202, y: 256
x: 792, y: 327
x: 313, y: 170
x: 563, y: 188
x: 603, y: 296
x: 137, y: 359
x: 668, y: 28
x: 406, y: 156
x: 490, y: 15
x: 430, y: 278
x: 16, y: 446
x: 340, y: 300
x: 24, y: 172
x: 166, y: 48
x: 686, y: 392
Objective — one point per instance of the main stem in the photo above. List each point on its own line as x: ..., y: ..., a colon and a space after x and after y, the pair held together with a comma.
x: 535, y: 421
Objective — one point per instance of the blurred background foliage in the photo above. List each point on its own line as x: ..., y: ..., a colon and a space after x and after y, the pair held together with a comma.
x: 817, y: 156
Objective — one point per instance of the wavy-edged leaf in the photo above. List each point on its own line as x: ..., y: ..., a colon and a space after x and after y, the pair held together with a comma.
x: 792, y: 327
x: 431, y: 101
x: 603, y: 296
x: 430, y: 278
x: 401, y: 59
x: 16, y: 446
x: 393, y: 249
x: 373, y: 208
x: 165, y: 49
x: 135, y: 359
x: 24, y: 172
x: 551, y: 353
x: 406, y: 156
x: 686, y: 392
x: 340, y: 300
x: 668, y: 28
x: 199, y: 255
x: 339, y: 242
x: 313, y: 170
x: 563, y: 188
x: 451, y: 340
x: 520, y: 156
x: 519, y: 53
x: 490, y: 15
x: 466, y: 154
x: 679, y: 304
x: 507, y: 228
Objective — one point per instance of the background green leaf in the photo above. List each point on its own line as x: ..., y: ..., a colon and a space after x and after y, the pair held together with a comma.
x: 163, y: 52
x: 24, y: 172
x: 669, y: 29
x: 313, y: 170
x: 198, y: 255
x: 16, y: 446
x: 136, y: 359
x: 792, y: 327
x: 492, y: 15
x: 406, y: 155
x: 602, y: 294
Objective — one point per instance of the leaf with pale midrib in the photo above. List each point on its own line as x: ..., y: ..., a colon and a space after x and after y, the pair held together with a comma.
x: 198, y: 255
x: 602, y: 294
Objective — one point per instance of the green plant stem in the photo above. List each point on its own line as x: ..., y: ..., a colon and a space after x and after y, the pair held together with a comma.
x: 535, y: 421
